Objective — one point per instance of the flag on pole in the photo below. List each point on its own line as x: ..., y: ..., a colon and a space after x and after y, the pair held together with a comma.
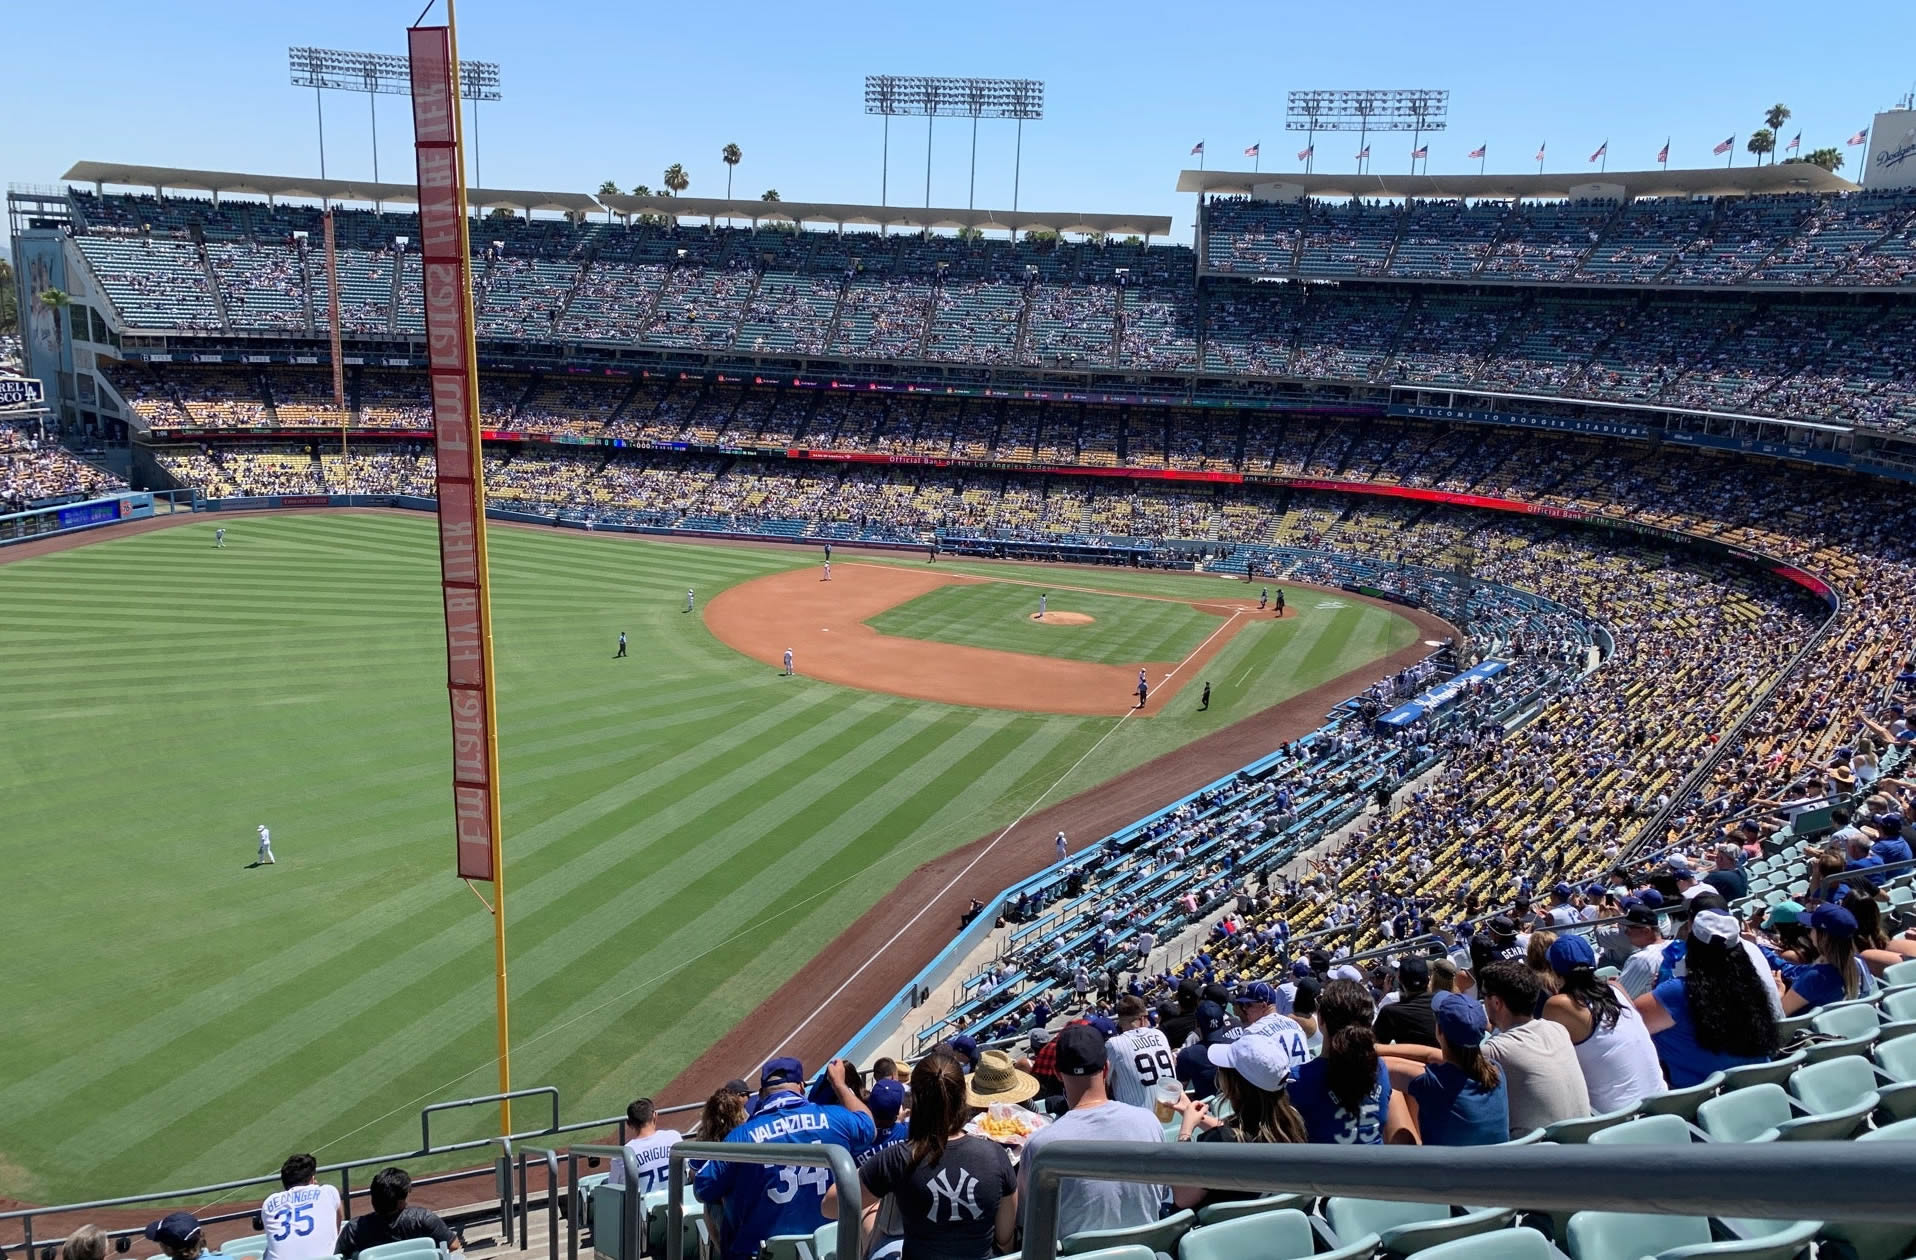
x: 1252, y: 151
x: 1663, y: 154
x: 1725, y: 147
x: 1796, y: 142
x: 1540, y: 149
x: 1601, y: 150
x: 1421, y: 151
x: 1304, y: 154
x: 1860, y: 136
x: 1478, y: 152
x: 1197, y: 148
x: 1365, y: 155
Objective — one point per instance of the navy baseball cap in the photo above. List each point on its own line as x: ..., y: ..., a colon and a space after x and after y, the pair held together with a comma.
x: 1300, y: 969
x: 1503, y: 925
x: 1649, y: 897
x: 1833, y: 921
x: 175, y: 1229
x: 785, y: 1071
x: 888, y: 1097
x: 1103, y: 1023
x: 1461, y: 1019
x: 1569, y: 952
x: 1563, y: 891
x: 1640, y: 913
x: 1251, y: 994
x: 1414, y: 967
x: 1210, y: 1019
x: 1080, y: 1050
x: 965, y: 1047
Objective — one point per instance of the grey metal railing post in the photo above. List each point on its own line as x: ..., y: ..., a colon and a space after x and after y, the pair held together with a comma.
x: 1725, y: 1179
x: 571, y: 1206
x: 631, y: 1200
x: 502, y: 1175
x: 551, y: 1158
x: 426, y: 1112
x: 851, y: 1201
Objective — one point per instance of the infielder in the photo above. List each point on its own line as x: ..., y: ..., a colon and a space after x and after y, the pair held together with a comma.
x: 1263, y: 597
x: 788, y: 662
x: 219, y: 537
x: 690, y: 599
x: 265, y: 857
x: 828, y: 571
x: 1144, y: 688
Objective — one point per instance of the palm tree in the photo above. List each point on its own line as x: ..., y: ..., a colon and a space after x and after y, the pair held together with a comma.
x: 676, y: 179
x: 731, y: 154
x: 1761, y: 141
x: 770, y: 194
x: 1829, y: 159
x: 1774, y: 118
x: 608, y: 189
x: 641, y: 190
x: 56, y: 300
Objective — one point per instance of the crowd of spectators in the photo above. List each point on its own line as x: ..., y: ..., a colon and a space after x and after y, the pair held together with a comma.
x: 34, y: 471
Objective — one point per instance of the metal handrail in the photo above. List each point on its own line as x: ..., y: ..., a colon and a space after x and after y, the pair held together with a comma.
x: 630, y: 1200
x: 851, y: 1202
x: 426, y: 1112
x: 551, y: 1158
x: 1726, y: 1179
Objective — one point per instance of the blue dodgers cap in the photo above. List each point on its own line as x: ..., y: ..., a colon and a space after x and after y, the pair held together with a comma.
x: 1563, y: 891
x: 966, y: 1047
x: 1103, y: 1023
x: 1251, y: 994
x: 1460, y: 1019
x: 1649, y: 897
x: 1833, y: 920
x: 1210, y: 1019
x: 785, y: 1071
x: 1569, y: 952
x: 888, y: 1097
x: 1300, y: 969
x: 174, y: 1229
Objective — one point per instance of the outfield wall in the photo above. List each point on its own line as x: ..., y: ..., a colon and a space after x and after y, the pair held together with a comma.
x: 72, y: 517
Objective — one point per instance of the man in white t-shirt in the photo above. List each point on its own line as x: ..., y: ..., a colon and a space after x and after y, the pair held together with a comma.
x: 1139, y: 1058
x: 302, y: 1221
x: 650, y: 1145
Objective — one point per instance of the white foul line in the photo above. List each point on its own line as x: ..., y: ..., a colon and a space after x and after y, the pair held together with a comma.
x: 876, y: 954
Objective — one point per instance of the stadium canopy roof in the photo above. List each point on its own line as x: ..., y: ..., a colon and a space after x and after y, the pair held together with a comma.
x: 178, y: 179
x: 1556, y: 185
x: 217, y: 182
x: 892, y: 216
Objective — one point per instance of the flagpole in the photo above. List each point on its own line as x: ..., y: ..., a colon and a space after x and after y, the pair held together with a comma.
x: 1484, y: 158
x: 1540, y: 149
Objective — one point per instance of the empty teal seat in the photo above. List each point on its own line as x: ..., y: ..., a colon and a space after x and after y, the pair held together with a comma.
x: 1872, y: 1240
x: 1648, y: 1131
x: 1683, y: 1102
x: 1498, y: 1244
x: 1233, y: 1209
x: 1579, y: 1129
x: 1283, y: 1234
x: 1775, y: 1072
x: 1630, y: 1235
x: 1158, y: 1236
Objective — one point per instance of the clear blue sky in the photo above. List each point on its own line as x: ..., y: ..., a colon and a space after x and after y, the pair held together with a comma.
x: 600, y: 90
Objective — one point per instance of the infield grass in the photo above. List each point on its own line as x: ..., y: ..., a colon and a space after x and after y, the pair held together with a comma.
x: 684, y: 830
x: 1125, y: 630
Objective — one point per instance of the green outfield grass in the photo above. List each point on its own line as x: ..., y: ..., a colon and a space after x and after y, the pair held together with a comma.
x: 1125, y: 630
x: 685, y: 829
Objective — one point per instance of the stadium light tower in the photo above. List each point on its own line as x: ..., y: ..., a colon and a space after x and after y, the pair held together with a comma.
x: 382, y: 74
x: 890, y: 95
x: 1415, y: 110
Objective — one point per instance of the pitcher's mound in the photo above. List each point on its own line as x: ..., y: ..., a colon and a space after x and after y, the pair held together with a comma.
x: 1063, y: 619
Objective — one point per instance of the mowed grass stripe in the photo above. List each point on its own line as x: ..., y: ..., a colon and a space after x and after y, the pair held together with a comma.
x: 998, y: 615
x: 164, y: 696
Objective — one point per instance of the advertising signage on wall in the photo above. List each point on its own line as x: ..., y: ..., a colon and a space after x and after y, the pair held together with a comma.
x: 1567, y: 424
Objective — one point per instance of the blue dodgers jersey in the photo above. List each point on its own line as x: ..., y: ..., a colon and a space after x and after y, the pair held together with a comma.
x: 762, y: 1201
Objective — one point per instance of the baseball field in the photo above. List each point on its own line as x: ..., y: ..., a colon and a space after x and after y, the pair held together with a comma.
x: 686, y: 828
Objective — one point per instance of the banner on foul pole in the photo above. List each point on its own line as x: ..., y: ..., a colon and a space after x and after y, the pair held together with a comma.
x: 456, y: 439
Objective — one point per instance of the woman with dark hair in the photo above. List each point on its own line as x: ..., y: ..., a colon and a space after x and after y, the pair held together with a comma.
x: 1344, y: 1094
x: 921, y: 1173
x: 1715, y: 1015
x: 1459, y: 1096
x: 1253, y: 1076
x: 1614, y: 1049
x: 1873, y: 941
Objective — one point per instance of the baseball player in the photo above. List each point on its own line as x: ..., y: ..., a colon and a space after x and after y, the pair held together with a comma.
x: 621, y: 652
x: 1063, y: 848
x: 828, y: 571
x: 265, y: 857
x: 219, y: 537
x: 690, y: 599
x: 1263, y: 597
x: 1144, y: 688
x: 1204, y: 701
x: 1139, y: 1057
x: 788, y: 663
x: 1041, y: 603
x: 828, y: 551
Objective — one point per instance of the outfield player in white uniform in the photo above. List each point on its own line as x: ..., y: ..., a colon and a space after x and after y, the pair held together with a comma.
x: 265, y: 857
x: 302, y: 1221
x: 690, y: 599
x: 1139, y: 1057
x: 219, y: 536
x: 650, y: 1145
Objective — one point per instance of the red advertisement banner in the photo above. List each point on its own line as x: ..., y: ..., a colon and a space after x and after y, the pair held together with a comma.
x: 456, y: 440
